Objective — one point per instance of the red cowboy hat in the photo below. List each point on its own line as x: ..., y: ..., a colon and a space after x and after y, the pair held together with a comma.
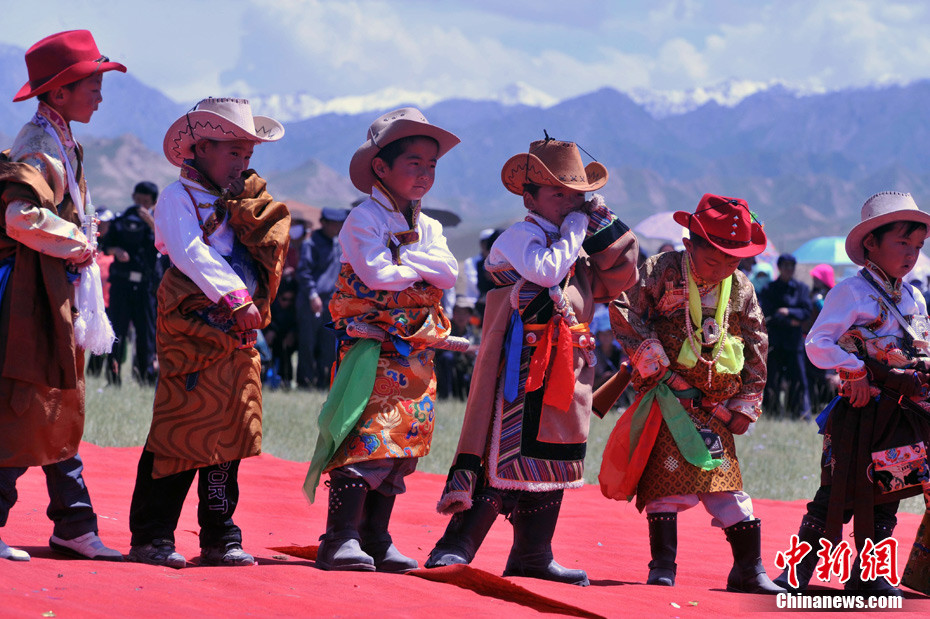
x: 725, y: 223
x: 61, y: 59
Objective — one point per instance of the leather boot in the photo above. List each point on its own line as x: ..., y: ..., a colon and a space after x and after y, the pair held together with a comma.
x: 339, y: 547
x: 466, y: 531
x: 534, y: 521
x: 663, y: 544
x: 879, y: 586
x: 811, y: 531
x: 748, y: 575
x: 376, y: 541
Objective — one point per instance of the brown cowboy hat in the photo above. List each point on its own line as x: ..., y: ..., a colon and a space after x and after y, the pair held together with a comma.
x: 555, y: 163
x: 882, y: 208
x: 725, y: 223
x: 63, y: 58
x: 221, y: 120
x: 402, y: 123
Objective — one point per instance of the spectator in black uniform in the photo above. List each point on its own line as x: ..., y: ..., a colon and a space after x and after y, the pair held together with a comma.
x: 786, y: 303
x: 131, y: 242
x: 317, y: 270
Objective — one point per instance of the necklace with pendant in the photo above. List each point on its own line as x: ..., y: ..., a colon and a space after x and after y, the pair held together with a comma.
x: 711, y: 331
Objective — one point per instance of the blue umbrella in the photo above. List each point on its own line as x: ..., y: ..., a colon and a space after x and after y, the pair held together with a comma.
x: 823, y: 250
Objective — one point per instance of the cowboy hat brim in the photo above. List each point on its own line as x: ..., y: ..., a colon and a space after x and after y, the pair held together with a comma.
x: 179, y: 141
x: 854, y: 248
x: 528, y: 168
x: 757, y: 238
x: 73, y: 73
x: 360, y: 172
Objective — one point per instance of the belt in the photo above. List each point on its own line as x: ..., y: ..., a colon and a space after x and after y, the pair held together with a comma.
x: 533, y: 335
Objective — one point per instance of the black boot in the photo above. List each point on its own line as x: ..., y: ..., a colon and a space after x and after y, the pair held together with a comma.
x: 339, y: 547
x: 466, y: 531
x: 748, y: 575
x: 879, y: 586
x: 663, y: 544
x: 376, y: 541
x: 534, y: 523
x: 811, y: 531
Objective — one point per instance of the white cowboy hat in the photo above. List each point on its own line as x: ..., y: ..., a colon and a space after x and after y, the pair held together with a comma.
x: 390, y: 127
x: 221, y: 120
x: 882, y: 208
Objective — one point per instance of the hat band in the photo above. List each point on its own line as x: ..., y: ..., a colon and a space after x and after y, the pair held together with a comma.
x: 728, y: 243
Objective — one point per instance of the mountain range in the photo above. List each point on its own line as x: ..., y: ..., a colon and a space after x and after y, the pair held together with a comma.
x: 804, y: 161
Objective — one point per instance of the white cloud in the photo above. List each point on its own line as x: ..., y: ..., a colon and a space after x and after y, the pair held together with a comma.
x: 332, y: 48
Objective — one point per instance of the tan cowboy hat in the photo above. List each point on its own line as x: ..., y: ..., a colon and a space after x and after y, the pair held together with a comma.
x: 222, y: 120
x: 402, y: 123
x: 882, y: 208
x: 555, y: 163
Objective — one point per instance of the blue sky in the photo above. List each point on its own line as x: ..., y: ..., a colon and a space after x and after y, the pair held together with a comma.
x: 473, y: 48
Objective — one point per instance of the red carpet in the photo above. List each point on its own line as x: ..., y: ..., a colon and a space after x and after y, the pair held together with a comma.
x: 606, y: 538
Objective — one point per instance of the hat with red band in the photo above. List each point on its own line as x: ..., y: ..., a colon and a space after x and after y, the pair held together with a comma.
x: 62, y: 59
x: 727, y: 224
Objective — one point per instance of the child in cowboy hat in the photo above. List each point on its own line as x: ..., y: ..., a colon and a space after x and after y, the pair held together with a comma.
x: 873, y: 330
x: 42, y: 249
x: 696, y: 337
x: 378, y: 419
x: 227, y: 239
x: 534, y: 372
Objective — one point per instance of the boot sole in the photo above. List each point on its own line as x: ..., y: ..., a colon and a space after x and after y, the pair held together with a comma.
x: 352, y: 567
x: 76, y: 555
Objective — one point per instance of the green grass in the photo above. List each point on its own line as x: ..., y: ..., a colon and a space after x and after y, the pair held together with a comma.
x: 780, y: 459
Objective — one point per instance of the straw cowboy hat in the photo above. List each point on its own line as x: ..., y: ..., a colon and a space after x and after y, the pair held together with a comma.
x: 402, y: 123
x: 882, y: 208
x: 221, y: 120
x: 555, y: 163
x: 725, y: 223
x: 61, y: 59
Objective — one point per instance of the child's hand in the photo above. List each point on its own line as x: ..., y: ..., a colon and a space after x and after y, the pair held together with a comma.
x: 247, y: 317
x: 739, y: 423
x: 235, y: 188
x: 857, y: 391
x: 82, y: 260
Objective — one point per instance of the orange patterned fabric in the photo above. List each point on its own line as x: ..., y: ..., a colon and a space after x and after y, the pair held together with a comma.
x: 398, y: 420
x: 208, y: 400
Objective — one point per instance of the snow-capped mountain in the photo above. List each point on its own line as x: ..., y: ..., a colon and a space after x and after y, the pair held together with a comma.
x: 729, y: 93
x: 301, y: 106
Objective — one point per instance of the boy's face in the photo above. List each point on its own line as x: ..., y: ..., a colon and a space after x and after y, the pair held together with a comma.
x: 710, y: 264
x: 413, y: 172
x: 79, y: 102
x: 896, y: 253
x: 554, y: 203
x: 223, y: 162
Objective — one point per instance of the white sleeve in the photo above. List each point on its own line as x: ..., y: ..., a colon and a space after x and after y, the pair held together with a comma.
x: 431, y: 257
x: 44, y: 231
x: 177, y: 230
x: 523, y: 246
x: 364, y: 248
x: 839, y: 313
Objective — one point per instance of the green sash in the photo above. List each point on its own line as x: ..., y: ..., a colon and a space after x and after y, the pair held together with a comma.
x: 345, y: 404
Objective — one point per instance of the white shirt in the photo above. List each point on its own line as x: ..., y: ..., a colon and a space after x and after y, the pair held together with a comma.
x: 853, y: 302
x: 364, y: 239
x: 523, y: 246
x: 178, y: 234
